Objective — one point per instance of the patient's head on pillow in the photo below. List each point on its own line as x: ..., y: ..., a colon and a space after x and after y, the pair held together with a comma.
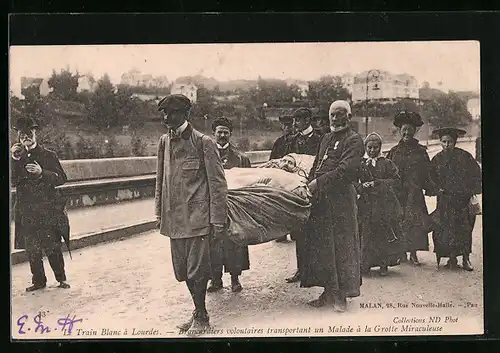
x: 288, y: 163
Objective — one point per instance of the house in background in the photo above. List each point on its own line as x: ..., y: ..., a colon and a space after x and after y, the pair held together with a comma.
x: 86, y: 84
x: 347, y: 81
x: 187, y: 89
x: 386, y: 86
x: 40, y: 84
x: 474, y: 108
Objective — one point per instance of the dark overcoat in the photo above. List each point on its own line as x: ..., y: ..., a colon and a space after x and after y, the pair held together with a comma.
x: 306, y: 144
x: 459, y: 175
x: 39, y: 210
x: 235, y: 258
x: 281, y: 147
x: 332, y: 246
x: 380, y: 213
x: 413, y: 164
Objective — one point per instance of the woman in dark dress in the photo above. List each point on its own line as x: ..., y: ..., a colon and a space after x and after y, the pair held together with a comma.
x: 379, y: 210
x: 458, y: 178
x: 413, y: 164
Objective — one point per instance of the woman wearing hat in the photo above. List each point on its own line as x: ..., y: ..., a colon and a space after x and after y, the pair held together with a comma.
x: 413, y: 164
x: 458, y: 178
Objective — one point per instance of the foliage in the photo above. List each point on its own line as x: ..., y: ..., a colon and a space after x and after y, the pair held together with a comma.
x: 448, y: 110
x: 64, y: 84
x: 138, y: 147
x: 102, y: 104
x: 327, y: 89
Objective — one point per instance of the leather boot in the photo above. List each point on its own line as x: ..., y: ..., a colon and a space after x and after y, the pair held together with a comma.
x: 63, y: 285
x: 466, y: 265
x: 294, y: 278
x: 235, y: 284
x: 384, y: 270
x: 35, y: 287
x: 339, y: 302
x: 201, y: 322
x: 326, y: 298
x: 414, y: 259
x: 215, y: 286
x: 185, y: 326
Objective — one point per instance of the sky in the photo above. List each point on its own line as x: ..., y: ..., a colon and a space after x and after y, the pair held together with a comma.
x: 455, y: 64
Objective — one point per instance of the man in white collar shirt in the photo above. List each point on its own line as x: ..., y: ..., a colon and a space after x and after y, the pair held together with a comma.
x: 190, y: 201
x: 226, y: 255
x: 40, y: 218
x: 306, y: 141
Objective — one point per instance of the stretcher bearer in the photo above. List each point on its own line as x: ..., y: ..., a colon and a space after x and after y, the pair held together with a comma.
x: 282, y: 146
x: 190, y: 200
x: 332, y: 251
x: 306, y: 141
x: 226, y: 255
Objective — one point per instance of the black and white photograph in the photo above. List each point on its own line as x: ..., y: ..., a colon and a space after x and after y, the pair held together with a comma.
x: 246, y: 190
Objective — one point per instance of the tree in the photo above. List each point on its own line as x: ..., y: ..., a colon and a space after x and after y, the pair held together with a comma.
x: 328, y: 89
x: 102, y: 104
x: 449, y: 110
x: 64, y: 84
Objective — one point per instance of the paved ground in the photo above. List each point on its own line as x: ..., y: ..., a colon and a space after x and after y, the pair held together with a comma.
x: 130, y: 284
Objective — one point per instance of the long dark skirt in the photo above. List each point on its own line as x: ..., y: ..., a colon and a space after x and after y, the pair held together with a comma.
x: 332, y: 254
x: 381, y: 244
x: 454, y: 226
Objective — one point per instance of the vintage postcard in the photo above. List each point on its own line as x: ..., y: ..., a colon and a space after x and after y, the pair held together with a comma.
x: 246, y: 190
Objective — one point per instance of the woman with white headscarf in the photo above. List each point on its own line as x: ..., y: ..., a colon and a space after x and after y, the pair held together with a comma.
x: 380, y: 213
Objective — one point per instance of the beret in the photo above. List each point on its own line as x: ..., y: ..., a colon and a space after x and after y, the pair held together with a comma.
x: 222, y: 122
x: 407, y: 117
x: 25, y: 124
x: 302, y: 113
x: 177, y: 102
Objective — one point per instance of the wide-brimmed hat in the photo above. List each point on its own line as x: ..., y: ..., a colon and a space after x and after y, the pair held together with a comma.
x: 406, y: 117
x: 449, y: 131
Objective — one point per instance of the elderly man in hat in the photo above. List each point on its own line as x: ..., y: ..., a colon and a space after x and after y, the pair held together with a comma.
x: 226, y: 255
x: 332, y: 252
x: 306, y: 141
x: 40, y: 217
x: 191, y: 201
x: 283, y: 146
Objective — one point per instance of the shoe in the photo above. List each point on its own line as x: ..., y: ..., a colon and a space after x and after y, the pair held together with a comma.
x: 294, y: 278
x: 35, y: 287
x: 403, y: 258
x: 340, y: 303
x: 324, y: 299
x: 215, y: 286
x: 384, y: 271
x: 282, y: 240
x: 201, y: 323
x: 466, y: 265
x: 185, y: 326
x: 236, y: 285
x: 63, y: 285
x: 414, y: 260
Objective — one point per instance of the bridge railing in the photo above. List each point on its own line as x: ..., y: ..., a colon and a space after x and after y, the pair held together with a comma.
x: 75, y: 187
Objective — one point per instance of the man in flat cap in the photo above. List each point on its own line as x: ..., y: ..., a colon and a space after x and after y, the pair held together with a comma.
x: 226, y: 255
x: 40, y: 217
x: 332, y: 253
x: 283, y: 146
x: 306, y: 141
x: 190, y: 200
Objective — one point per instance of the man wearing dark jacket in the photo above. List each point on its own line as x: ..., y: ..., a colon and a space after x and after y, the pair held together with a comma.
x: 306, y: 141
x: 40, y: 217
x: 226, y: 255
x: 190, y: 201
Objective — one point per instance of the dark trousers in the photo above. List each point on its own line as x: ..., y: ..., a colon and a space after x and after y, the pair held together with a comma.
x: 227, y: 256
x: 35, y: 249
x: 298, y: 236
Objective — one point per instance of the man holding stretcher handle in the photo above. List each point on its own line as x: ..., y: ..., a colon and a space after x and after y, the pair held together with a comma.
x: 190, y: 201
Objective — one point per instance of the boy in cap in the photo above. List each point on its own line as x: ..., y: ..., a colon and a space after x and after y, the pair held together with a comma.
x: 190, y: 200
x: 227, y: 255
x: 40, y: 218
